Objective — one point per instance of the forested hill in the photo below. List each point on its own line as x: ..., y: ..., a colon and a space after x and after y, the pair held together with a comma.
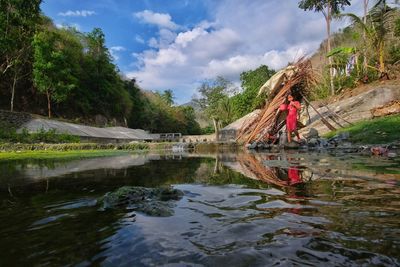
x: 64, y: 73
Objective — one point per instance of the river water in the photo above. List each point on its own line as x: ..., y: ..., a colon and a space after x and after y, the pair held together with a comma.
x: 238, y: 209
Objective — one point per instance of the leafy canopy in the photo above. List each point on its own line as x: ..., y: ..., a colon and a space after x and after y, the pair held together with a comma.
x: 320, y: 5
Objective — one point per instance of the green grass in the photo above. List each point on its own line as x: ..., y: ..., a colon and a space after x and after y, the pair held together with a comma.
x: 8, y: 133
x: 376, y: 131
x: 72, y: 147
x: 45, y: 154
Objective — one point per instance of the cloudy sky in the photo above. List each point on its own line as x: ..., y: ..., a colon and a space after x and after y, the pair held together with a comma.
x: 177, y: 44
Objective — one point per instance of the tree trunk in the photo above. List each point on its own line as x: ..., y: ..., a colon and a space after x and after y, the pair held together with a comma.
x: 48, y: 103
x: 328, y: 46
x: 13, y: 92
x: 217, y: 165
x: 365, y: 62
x: 216, y: 128
x: 381, y: 58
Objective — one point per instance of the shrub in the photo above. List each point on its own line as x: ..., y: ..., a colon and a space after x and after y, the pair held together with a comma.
x: 207, y: 130
x: 10, y: 134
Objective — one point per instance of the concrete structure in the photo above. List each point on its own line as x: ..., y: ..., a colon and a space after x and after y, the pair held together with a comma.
x: 230, y: 132
x: 89, y: 133
x: 197, y: 138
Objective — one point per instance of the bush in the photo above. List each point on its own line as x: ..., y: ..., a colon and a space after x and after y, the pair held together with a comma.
x: 394, y: 54
x: 9, y: 134
x: 207, y: 130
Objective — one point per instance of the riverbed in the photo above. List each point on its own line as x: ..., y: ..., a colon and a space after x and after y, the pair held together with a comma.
x: 238, y: 209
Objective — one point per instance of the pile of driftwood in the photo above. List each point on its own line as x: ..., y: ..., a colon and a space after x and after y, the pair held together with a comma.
x: 294, y: 80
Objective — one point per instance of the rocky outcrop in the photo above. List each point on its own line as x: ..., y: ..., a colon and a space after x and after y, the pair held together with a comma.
x: 352, y: 109
x: 388, y: 109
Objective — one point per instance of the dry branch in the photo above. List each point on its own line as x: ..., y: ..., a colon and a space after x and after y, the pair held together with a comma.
x: 265, y: 124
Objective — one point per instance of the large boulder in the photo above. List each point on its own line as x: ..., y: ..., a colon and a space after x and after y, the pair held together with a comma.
x: 151, y: 201
x: 382, y: 99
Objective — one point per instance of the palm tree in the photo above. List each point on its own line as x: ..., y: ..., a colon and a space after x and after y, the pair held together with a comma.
x: 376, y: 27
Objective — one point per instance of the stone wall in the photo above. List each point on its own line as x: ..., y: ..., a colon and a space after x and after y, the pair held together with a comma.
x: 16, y: 119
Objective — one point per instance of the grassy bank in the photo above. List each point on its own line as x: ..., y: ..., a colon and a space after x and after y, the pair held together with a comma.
x: 376, y: 131
x: 8, y: 147
x: 12, y: 151
x: 45, y: 154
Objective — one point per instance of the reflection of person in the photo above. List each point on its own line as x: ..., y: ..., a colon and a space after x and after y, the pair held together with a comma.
x: 294, y: 176
x: 291, y: 118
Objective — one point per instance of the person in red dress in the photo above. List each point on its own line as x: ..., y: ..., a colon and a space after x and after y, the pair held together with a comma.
x: 291, y: 118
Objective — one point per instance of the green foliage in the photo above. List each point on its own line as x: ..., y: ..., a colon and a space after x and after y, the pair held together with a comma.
x: 154, y: 112
x: 168, y: 97
x: 214, y: 100
x: 55, y: 64
x: 9, y: 134
x: 397, y: 27
x: 208, y: 130
x: 24, y: 153
x: 322, y: 89
x: 101, y: 89
x: 380, y: 22
x: 376, y: 131
x: 247, y: 101
x: 74, y: 68
x: 320, y: 5
x: 18, y: 21
x: 394, y: 54
x: 71, y: 146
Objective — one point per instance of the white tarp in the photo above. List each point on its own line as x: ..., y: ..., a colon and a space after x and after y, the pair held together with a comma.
x: 275, y: 82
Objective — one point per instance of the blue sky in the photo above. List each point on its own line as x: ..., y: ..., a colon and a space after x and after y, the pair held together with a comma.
x: 176, y: 44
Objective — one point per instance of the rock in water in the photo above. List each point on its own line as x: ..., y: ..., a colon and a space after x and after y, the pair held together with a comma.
x: 312, y: 133
x: 151, y: 201
x: 313, y: 142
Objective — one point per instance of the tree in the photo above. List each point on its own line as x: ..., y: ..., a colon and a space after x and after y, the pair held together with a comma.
x: 365, y: 60
x: 18, y: 20
x: 381, y: 18
x: 251, y: 81
x: 215, y: 103
x: 190, y: 123
x: 168, y: 97
x: 52, y: 72
x: 329, y: 8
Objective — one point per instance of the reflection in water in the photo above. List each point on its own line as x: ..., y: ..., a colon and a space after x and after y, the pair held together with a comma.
x: 252, y: 165
x: 246, y: 209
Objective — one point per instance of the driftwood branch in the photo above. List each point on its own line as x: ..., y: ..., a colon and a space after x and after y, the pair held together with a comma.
x: 324, y: 121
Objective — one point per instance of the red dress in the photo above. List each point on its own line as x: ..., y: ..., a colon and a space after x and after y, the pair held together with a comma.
x: 291, y: 119
x: 294, y: 176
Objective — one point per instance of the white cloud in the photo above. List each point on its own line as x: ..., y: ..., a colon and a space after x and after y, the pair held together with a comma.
x: 161, y: 20
x: 77, y: 13
x: 184, y: 38
x: 118, y: 48
x: 114, y: 51
x: 139, y: 39
x: 164, y: 39
x: 69, y: 25
x: 243, y: 36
